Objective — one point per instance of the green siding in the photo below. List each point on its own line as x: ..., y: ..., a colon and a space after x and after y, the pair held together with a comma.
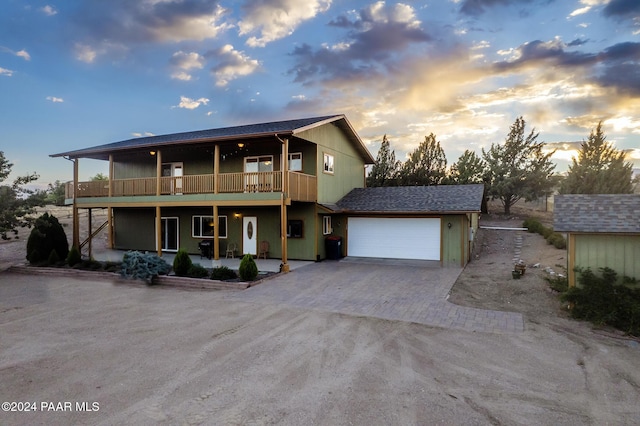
x: 455, y: 240
x: 618, y: 252
x: 134, y: 229
x: 348, y: 164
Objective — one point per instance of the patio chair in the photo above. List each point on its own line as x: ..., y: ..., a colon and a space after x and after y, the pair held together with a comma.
x: 231, y: 250
x: 264, y: 249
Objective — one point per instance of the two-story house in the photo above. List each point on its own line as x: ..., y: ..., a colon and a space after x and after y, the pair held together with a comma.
x: 283, y: 187
x: 241, y: 187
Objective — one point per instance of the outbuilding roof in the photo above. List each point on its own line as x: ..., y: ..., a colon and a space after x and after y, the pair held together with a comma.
x: 597, y: 213
x: 413, y: 199
x: 248, y: 131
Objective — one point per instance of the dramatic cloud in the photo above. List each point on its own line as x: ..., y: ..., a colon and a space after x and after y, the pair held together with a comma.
x: 232, y: 64
x: 377, y: 36
x: 48, y: 10
x: 478, y: 7
x: 6, y: 72
x: 54, y: 99
x: 189, y: 103
x: 622, y: 9
x: 126, y: 23
x: 276, y: 19
x: 182, y: 62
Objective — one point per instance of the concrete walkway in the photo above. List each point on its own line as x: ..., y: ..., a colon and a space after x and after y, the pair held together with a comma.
x: 388, y: 289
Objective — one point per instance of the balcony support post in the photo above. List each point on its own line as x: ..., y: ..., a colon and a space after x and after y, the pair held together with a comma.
x: 159, y: 230
x: 76, y: 222
x: 216, y: 234
x: 158, y: 173
x: 284, y: 267
x: 216, y: 168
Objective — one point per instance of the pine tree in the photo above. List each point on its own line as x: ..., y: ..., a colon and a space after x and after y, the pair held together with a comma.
x: 427, y: 164
x: 385, y: 170
x: 468, y: 169
x: 599, y: 168
x: 519, y: 168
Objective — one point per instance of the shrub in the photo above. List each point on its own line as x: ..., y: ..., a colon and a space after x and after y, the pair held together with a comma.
x: 197, y: 271
x: 248, y: 269
x: 74, y: 256
x: 533, y: 225
x: 46, y: 235
x: 143, y: 266
x: 557, y: 240
x: 88, y: 265
x: 602, y: 301
x: 222, y: 273
x: 53, y: 258
x: 182, y: 263
x: 547, y: 232
x: 559, y: 284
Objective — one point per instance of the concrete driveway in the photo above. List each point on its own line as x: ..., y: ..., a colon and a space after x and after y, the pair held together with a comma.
x: 411, y: 291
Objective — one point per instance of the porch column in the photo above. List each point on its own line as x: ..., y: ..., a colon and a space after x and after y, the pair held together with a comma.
x: 159, y: 230
x: 89, y: 226
x: 158, y: 173
x: 216, y: 168
x: 110, y: 175
x: 283, y: 207
x: 109, y: 209
x: 216, y: 234
x: 76, y: 222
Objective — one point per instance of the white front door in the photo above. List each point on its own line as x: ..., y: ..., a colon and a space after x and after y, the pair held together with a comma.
x: 173, y: 170
x: 250, y: 235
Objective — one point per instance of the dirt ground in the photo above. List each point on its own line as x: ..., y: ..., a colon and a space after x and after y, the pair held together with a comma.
x: 167, y: 356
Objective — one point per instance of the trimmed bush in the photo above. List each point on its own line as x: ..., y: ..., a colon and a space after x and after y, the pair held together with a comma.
x: 557, y: 240
x: 601, y: 300
x: 46, y: 235
x: 182, y: 263
x: 533, y: 225
x: 53, y: 258
x: 74, y: 257
x: 143, y: 266
x: 248, y: 269
x: 222, y: 273
x: 197, y: 271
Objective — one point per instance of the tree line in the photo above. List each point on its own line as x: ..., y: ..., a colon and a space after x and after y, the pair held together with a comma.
x: 517, y: 169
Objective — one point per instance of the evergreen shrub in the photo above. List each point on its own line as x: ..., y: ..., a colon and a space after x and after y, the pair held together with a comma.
x: 197, y: 271
x: 248, y: 269
x: 603, y: 301
x: 53, y: 258
x: 182, y: 263
x: 46, y: 235
x: 74, y: 256
x: 222, y: 273
x: 143, y: 266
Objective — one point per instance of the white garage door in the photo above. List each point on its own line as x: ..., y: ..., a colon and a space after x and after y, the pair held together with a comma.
x: 396, y: 238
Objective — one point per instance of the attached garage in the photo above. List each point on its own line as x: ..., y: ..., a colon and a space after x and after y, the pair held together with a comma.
x: 394, y: 238
x: 431, y: 223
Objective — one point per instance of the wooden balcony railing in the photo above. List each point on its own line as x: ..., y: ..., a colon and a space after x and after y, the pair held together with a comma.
x: 301, y: 187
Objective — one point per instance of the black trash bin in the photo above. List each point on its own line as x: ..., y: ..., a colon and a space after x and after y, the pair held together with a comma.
x: 333, y: 247
x: 205, y: 249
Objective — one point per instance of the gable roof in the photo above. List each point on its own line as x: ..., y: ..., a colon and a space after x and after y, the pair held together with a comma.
x: 248, y: 131
x: 413, y: 199
x: 601, y: 213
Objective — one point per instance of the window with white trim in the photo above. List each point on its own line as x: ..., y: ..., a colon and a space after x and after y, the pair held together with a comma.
x: 326, y: 225
x: 202, y: 227
x: 328, y: 163
x: 295, y: 161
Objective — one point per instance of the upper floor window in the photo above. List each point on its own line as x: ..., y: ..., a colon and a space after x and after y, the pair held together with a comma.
x: 328, y: 163
x: 203, y: 226
x: 295, y: 161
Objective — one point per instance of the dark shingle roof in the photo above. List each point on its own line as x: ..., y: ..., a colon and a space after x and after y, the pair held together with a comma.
x: 414, y: 199
x: 283, y: 128
x: 602, y: 213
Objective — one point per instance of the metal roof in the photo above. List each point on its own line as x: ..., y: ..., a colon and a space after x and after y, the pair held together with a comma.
x: 414, y: 199
x: 249, y: 131
x: 597, y: 213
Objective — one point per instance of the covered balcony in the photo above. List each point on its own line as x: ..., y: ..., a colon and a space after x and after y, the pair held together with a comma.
x: 301, y: 187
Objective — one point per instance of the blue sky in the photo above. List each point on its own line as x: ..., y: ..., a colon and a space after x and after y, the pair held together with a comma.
x: 75, y: 74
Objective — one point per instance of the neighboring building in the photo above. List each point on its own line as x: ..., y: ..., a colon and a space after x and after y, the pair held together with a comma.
x: 603, y: 230
x: 412, y: 222
x: 281, y: 182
